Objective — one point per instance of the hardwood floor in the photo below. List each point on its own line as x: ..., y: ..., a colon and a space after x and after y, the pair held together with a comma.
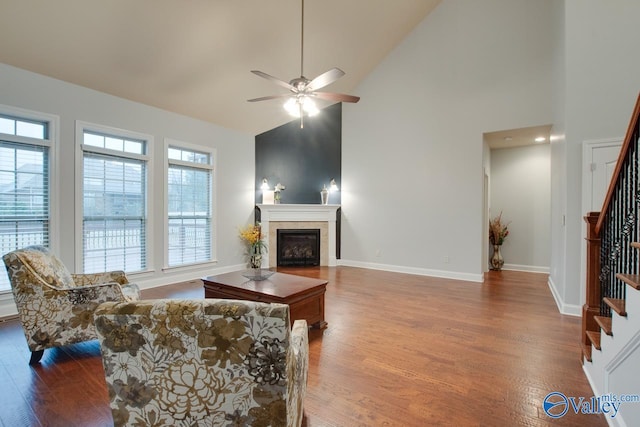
x: 400, y: 350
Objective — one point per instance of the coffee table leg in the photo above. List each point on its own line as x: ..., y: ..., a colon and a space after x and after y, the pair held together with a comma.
x: 319, y: 325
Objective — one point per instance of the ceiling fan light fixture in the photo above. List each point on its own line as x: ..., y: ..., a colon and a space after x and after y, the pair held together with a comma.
x: 304, y: 103
x: 309, y: 106
x: 292, y: 107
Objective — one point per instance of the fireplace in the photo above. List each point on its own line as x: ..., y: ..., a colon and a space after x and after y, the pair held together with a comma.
x: 300, y: 217
x: 298, y: 247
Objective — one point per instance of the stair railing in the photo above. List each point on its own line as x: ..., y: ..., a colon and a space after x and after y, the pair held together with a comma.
x: 610, y: 233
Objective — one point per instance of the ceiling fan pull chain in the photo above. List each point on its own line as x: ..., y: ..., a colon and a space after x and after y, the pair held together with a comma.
x: 301, y: 116
x: 301, y: 61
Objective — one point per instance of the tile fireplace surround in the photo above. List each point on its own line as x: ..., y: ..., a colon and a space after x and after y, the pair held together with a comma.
x: 296, y: 217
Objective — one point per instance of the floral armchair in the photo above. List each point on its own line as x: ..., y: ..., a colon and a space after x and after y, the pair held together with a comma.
x: 208, y: 362
x: 56, y: 307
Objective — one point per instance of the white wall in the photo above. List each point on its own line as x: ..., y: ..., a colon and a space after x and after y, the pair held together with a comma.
x: 521, y: 190
x: 412, y: 160
x: 596, y: 80
x: 234, y: 174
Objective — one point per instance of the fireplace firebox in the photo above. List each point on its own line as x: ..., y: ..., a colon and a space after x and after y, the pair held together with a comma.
x: 298, y: 247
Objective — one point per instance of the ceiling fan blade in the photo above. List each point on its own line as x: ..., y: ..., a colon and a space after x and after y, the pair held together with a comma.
x: 266, y: 98
x: 340, y: 97
x: 325, y: 79
x: 273, y: 79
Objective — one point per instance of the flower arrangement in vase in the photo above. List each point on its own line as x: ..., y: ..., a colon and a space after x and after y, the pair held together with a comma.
x: 252, y: 236
x: 498, y: 231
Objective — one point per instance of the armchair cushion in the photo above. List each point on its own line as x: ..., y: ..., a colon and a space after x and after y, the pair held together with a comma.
x: 46, y: 268
x: 203, y: 362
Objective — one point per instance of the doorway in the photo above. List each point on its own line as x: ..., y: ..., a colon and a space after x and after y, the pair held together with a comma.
x: 519, y: 188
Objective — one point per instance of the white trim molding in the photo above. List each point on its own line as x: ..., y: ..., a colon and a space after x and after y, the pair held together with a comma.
x: 567, y: 309
x: 528, y: 268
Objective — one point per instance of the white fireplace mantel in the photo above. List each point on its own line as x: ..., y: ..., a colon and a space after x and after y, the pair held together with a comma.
x: 304, y: 213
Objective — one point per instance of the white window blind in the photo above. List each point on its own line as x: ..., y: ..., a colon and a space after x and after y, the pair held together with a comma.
x: 24, y: 186
x: 189, y: 206
x: 114, y: 224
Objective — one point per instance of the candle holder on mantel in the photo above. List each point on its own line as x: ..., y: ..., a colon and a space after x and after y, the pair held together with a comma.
x: 276, y: 191
x: 324, y: 195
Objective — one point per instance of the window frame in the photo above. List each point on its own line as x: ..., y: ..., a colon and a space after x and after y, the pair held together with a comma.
x: 81, y: 148
x: 174, y: 143
x: 51, y: 142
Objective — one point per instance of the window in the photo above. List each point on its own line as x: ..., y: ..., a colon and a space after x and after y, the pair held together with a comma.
x: 114, y: 201
x: 24, y: 185
x: 189, y: 190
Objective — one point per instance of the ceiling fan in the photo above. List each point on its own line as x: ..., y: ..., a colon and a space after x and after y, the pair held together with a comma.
x: 302, y: 90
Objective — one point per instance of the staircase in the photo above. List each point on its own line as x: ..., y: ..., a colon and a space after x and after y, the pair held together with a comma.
x: 612, y: 361
x: 611, y: 314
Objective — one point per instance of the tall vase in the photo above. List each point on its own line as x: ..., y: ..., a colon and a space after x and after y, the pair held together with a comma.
x: 255, y: 261
x: 496, y: 259
x: 255, y: 258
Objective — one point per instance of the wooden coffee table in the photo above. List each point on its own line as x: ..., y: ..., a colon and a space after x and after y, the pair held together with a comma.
x: 304, y: 295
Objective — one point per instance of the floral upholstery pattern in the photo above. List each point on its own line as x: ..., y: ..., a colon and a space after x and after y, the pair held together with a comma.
x: 56, y: 307
x: 208, y: 362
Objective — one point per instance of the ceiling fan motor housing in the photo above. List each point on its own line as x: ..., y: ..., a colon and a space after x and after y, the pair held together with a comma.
x: 300, y: 83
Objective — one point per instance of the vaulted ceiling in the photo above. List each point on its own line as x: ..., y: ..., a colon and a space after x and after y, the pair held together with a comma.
x: 194, y: 57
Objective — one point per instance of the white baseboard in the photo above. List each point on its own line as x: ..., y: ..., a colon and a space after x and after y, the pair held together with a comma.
x: 528, y: 268
x: 414, y: 270
x: 568, y: 309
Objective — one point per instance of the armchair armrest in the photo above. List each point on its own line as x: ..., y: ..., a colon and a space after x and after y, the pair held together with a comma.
x: 126, y: 292
x: 297, y: 371
x: 117, y: 276
x: 95, y: 293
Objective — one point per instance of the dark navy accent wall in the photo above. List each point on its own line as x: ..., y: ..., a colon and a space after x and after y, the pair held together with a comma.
x: 303, y: 160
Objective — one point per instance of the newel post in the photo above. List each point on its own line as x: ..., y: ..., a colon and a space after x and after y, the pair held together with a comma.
x: 591, y: 307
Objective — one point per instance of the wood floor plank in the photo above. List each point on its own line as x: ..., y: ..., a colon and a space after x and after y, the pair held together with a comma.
x: 16, y: 409
x: 400, y: 350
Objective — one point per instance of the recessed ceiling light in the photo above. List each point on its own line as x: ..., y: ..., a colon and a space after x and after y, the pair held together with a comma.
x: 540, y: 139
x: 508, y: 138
